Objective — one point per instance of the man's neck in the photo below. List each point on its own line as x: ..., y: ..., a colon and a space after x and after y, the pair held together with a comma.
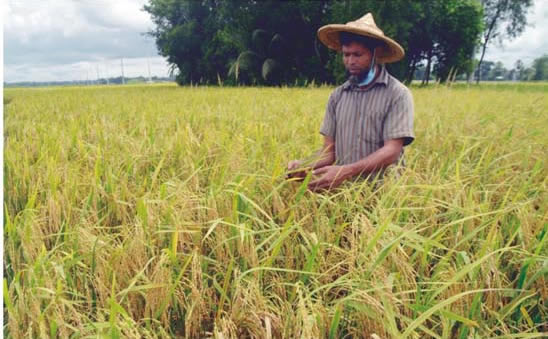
x: 372, y: 83
x: 356, y: 80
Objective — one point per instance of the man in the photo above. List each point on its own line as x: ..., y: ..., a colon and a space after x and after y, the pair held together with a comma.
x: 369, y: 119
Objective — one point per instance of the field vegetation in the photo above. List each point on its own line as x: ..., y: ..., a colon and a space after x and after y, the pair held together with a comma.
x: 163, y: 211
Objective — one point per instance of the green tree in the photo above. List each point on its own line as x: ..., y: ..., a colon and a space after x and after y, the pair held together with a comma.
x: 203, y: 39
x: 267, y: 60
x: 540, y: 66
x: 193, y: 38
x: 485, y: 69
x: 458, y: 28
x: 503, y: 19
x: 529, y: 74
x: 288, y: 39
x: 498, y: 72
x: 520, y: 69
x: 424, y: 34
x: 210, y: 40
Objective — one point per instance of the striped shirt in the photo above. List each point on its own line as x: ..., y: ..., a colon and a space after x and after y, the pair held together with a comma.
x: 361, y: 120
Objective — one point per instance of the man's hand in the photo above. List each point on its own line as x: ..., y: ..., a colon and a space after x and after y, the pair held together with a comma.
x: 330, y: 177
x: 298, y: 169
x: 295, y: 170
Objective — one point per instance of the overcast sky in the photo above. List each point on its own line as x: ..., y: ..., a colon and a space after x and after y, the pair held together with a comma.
x: 49, y: 40
x: 52, y: 40
x: 533, y: 43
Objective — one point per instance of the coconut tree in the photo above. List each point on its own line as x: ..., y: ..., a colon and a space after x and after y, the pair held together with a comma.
x: 264, y: 62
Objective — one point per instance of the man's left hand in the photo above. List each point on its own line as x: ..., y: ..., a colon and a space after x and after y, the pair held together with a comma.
x: 329, y: 177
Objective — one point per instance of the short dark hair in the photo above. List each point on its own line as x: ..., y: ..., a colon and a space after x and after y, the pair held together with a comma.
x: 346, y: 38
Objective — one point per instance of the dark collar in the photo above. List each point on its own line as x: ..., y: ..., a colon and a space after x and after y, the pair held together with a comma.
x: 381, y: 79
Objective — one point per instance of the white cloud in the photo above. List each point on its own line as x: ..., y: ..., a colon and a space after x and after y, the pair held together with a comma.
x: 121, y: 13
x: 26, y: 21
x: 530, y: 45
x: 46, y: 40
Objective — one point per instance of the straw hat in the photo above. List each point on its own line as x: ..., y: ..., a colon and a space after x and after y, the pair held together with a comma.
x: 389, y: 51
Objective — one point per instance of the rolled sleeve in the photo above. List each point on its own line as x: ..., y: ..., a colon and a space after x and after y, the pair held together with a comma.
x: 399, y: 120
x: 329, y: 125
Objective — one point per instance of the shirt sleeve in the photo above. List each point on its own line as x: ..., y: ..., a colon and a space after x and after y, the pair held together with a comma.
x: 399, y: 121
x: 329, y: 125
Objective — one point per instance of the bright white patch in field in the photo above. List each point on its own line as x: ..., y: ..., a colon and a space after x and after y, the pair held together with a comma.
x: 69, y: 40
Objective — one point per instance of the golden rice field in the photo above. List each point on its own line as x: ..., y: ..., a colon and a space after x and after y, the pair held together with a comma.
x: 162, y: 211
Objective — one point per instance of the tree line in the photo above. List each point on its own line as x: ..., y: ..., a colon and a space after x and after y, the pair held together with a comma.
x: 272, y: 42
x: 537, y: 71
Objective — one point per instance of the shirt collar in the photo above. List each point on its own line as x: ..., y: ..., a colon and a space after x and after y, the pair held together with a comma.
x: 381, y: 79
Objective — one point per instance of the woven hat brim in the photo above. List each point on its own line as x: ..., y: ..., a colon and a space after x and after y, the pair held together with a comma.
x: 389, y: 51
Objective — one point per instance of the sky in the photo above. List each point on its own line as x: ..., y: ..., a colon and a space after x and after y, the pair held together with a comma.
x: 532, y: 44
x: 54, y: 40
x: 57, y: 40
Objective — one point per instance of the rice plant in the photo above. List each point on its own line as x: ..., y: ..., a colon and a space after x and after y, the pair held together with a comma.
x: 163, y: 211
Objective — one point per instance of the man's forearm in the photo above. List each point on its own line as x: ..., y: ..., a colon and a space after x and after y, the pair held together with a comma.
x: 324, y: 157
x: 320, y: 159
x: 382, y: 158
x: 329, y: 177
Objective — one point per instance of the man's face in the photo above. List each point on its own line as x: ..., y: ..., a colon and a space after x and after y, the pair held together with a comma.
x: 356, y: 58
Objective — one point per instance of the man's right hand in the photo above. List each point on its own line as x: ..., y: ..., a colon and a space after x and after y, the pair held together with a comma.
x: 295, y: 170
